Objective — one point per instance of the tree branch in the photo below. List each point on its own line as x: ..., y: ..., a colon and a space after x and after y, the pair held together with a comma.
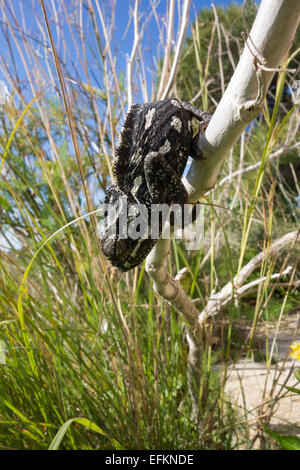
x: 130, y: 61
x: 272, y: 33
x: 183, y: 26
x: 237, y: 287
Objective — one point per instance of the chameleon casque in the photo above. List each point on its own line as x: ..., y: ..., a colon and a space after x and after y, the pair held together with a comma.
x: 155, y: 143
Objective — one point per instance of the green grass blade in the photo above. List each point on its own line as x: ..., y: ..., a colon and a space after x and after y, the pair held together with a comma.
x: 293, y: 389
x: 85, y: 422
x: 286, y: 442
x: 23, y: 417
x: 17, y: 126
x: 297, y: 374
x: 23, y: 290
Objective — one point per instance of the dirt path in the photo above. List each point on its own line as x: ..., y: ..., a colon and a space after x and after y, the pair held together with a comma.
x: 251, y: 386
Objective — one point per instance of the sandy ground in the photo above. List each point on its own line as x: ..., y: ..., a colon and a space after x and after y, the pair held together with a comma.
x: 251, y: 388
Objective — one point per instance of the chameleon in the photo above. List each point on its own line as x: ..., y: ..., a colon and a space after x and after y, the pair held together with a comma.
x: 155, y: 143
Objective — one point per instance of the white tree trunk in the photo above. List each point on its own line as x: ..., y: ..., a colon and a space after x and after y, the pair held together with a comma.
x: 272, y: 34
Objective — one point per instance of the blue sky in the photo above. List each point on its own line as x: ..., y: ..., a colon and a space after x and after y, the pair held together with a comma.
x: 29, y: 13
x: 122, y: 13
x: 151, y: 33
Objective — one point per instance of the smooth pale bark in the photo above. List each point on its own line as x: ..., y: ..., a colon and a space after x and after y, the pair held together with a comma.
x: 237, y: 287
x: 272, y: 33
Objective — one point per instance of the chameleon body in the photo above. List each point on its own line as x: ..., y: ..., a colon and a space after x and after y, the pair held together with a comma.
x: 155, y: 143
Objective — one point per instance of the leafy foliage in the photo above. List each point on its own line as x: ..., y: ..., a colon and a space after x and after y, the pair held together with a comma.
x: 94, y: 359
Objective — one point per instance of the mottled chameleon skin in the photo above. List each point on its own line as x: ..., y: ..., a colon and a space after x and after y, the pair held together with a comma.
x: 155, y: 143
